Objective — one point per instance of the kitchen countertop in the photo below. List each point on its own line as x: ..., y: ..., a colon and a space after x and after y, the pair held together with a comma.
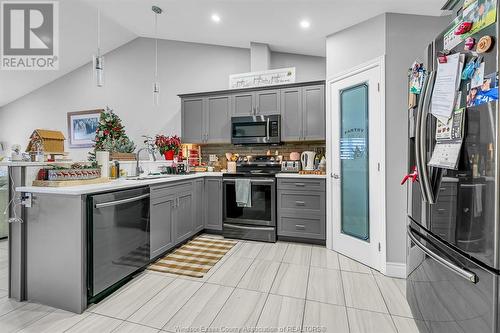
x: 298, y: 175
x: 118, y: 184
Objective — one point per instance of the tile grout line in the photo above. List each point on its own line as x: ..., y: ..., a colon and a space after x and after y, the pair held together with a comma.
x: 269, y: 291
x: 307, y: 288
x: 385, y: 303
x: 345, y: 299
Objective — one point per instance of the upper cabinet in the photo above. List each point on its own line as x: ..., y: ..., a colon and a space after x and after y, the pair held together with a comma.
x: 303, y: 113
x: 206, y: 117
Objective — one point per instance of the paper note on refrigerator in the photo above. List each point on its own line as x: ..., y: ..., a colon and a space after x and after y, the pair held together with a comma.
x: 446, y: 86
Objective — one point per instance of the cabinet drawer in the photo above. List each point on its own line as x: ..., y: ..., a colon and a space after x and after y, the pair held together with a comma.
x: 302, y: 184
x: 302, y: 200
x: 302, y: 227
x: 167, y: 189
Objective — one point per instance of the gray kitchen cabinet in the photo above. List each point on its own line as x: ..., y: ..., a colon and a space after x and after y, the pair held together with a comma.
x: 199, y: 193
x: 302, y: 208
x: 161, y: 217
x: 291, y: 114
x: 193, y: 128
x: 184, y: 216
x: 313, y: 111
x: 217, y: 118
x: 213, y: 203
x: 303, y: 113
x: 267, y: 102
x: 243, y: 104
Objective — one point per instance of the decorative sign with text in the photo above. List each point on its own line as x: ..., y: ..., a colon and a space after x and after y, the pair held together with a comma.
x: 264, y: 78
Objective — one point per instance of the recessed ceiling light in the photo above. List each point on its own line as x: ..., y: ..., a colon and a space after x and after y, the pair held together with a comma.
x: 305, y: 24
x: 215, y: 18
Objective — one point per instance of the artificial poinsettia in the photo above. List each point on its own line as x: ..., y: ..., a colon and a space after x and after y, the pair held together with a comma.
x: 166, y: 143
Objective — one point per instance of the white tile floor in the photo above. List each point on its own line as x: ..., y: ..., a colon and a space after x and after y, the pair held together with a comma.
x: 282, y: 285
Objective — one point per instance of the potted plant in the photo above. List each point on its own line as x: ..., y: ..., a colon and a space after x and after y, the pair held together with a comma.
x: 168, y: 145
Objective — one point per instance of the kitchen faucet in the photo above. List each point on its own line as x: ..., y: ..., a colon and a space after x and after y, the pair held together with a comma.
x: 138, y: 168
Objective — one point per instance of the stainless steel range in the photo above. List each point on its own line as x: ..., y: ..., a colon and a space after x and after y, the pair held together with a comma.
x: 257, y: 220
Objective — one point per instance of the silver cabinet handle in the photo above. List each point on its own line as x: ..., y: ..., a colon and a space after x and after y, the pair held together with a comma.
x: 121, y: 202
x: 300, y: 184
x: 300, y: 203
x: 454, y: 268
x: 300, y: 227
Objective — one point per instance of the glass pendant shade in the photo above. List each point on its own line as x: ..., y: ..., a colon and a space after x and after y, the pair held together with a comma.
x: 98, y: 64
x: 156, y: 93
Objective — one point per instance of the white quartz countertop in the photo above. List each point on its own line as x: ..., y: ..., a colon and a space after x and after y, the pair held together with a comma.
x: 118, y: 184
x: 298, y: 175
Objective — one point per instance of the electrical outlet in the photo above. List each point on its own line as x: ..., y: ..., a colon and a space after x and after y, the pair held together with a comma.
x: 27, y: 200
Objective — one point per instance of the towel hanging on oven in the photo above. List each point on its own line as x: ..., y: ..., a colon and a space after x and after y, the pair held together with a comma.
x: 243, y: 188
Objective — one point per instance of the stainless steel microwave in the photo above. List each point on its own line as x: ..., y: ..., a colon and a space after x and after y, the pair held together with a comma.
x: 256, y: 129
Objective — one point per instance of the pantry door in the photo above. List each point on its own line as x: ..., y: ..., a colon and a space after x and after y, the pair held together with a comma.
x: 356, y: 185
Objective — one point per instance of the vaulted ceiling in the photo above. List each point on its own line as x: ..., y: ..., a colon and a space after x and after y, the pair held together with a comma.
x: 275, y: 22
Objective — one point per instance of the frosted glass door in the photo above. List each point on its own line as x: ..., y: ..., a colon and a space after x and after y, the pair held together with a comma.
x: 354, y: 162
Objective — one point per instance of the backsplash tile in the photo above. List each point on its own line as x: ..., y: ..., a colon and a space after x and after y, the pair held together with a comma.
x: 285, y: 149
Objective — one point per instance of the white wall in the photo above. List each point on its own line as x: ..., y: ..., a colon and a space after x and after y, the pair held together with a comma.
x: 184, y: 68
x: 401, y: 39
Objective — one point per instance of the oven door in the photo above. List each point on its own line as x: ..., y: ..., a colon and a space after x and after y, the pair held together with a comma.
x: 263, y: 210
x: 254, y: 130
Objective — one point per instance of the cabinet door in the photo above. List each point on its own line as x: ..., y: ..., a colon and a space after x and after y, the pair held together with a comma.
x: 161, y: 217
x: 213, y: 203
x: 313, y: 105
x: 243, y: 104
x: 218, y: 119
x: 291, y: 114
x: 267, y: 102
x: 184, y: 217
x: 199, y: 190
x: 192, y: 120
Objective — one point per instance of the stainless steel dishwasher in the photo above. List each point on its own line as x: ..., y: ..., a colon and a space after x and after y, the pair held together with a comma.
x: 118, y: 239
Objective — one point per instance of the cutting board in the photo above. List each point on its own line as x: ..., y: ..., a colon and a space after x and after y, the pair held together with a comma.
x: 66, y: 183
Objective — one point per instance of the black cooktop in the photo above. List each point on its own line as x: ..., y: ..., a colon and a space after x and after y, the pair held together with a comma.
x: 256, y: 166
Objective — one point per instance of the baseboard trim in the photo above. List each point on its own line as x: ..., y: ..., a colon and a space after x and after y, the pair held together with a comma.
x: 395, y: 269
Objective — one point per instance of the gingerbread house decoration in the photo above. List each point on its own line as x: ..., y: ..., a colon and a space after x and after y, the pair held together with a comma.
x: 51, y: 142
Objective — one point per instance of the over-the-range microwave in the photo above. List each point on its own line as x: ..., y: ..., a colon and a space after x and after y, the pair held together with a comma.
x: 256, y: 129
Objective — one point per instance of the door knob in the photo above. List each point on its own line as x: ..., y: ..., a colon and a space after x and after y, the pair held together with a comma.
x: 335, y: 176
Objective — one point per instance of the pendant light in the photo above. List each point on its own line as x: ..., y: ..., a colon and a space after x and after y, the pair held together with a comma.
x: 156, y: 83
x: 98, y: 59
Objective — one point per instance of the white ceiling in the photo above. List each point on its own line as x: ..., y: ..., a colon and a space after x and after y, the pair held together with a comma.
x: 275, y: 22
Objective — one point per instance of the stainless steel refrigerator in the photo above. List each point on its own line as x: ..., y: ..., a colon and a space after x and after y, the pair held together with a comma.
x: 453, y: 229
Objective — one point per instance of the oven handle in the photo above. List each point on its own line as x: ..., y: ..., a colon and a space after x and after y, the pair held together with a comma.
x: 469, y: 276
x: 121, y: 202
x: 253, y: 181
x: 248, y: 228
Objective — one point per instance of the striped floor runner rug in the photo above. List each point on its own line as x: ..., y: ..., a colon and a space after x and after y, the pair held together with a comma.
x: 194, y: 258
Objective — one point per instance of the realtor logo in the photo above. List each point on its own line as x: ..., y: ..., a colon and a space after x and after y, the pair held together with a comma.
x: 29, y: 35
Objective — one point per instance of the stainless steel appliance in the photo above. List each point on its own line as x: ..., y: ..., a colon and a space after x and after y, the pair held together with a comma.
x: 118, y: 239
x: 256, y: 129
x: 290, y: 166
x: 453, y: 229
x: 257, y: 222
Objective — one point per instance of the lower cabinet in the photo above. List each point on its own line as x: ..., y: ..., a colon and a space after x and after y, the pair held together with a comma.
x: 302, y: 208
x: 161, y: 221
x: 213, y: 203
x: 181, y: 209
x: 199, y: 204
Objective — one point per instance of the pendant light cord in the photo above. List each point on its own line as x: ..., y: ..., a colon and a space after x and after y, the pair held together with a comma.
x: 98, y: 32
x: 156, y: 47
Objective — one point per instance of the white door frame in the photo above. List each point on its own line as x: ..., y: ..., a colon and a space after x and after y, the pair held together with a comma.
x: 374, y: 63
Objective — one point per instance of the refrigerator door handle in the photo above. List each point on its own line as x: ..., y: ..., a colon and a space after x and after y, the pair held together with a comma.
x: 418, y: 145
x: 469, y: 276
x: 424, y: 171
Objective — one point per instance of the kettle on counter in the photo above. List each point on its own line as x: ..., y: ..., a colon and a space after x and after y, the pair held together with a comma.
x: 307, y: 160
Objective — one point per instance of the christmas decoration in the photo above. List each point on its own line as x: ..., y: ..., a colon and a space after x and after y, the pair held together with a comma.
x: 168, y: 145
x: 110, y: 135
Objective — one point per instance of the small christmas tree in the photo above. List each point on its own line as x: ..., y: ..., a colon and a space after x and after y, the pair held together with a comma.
x: 110, y: 135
